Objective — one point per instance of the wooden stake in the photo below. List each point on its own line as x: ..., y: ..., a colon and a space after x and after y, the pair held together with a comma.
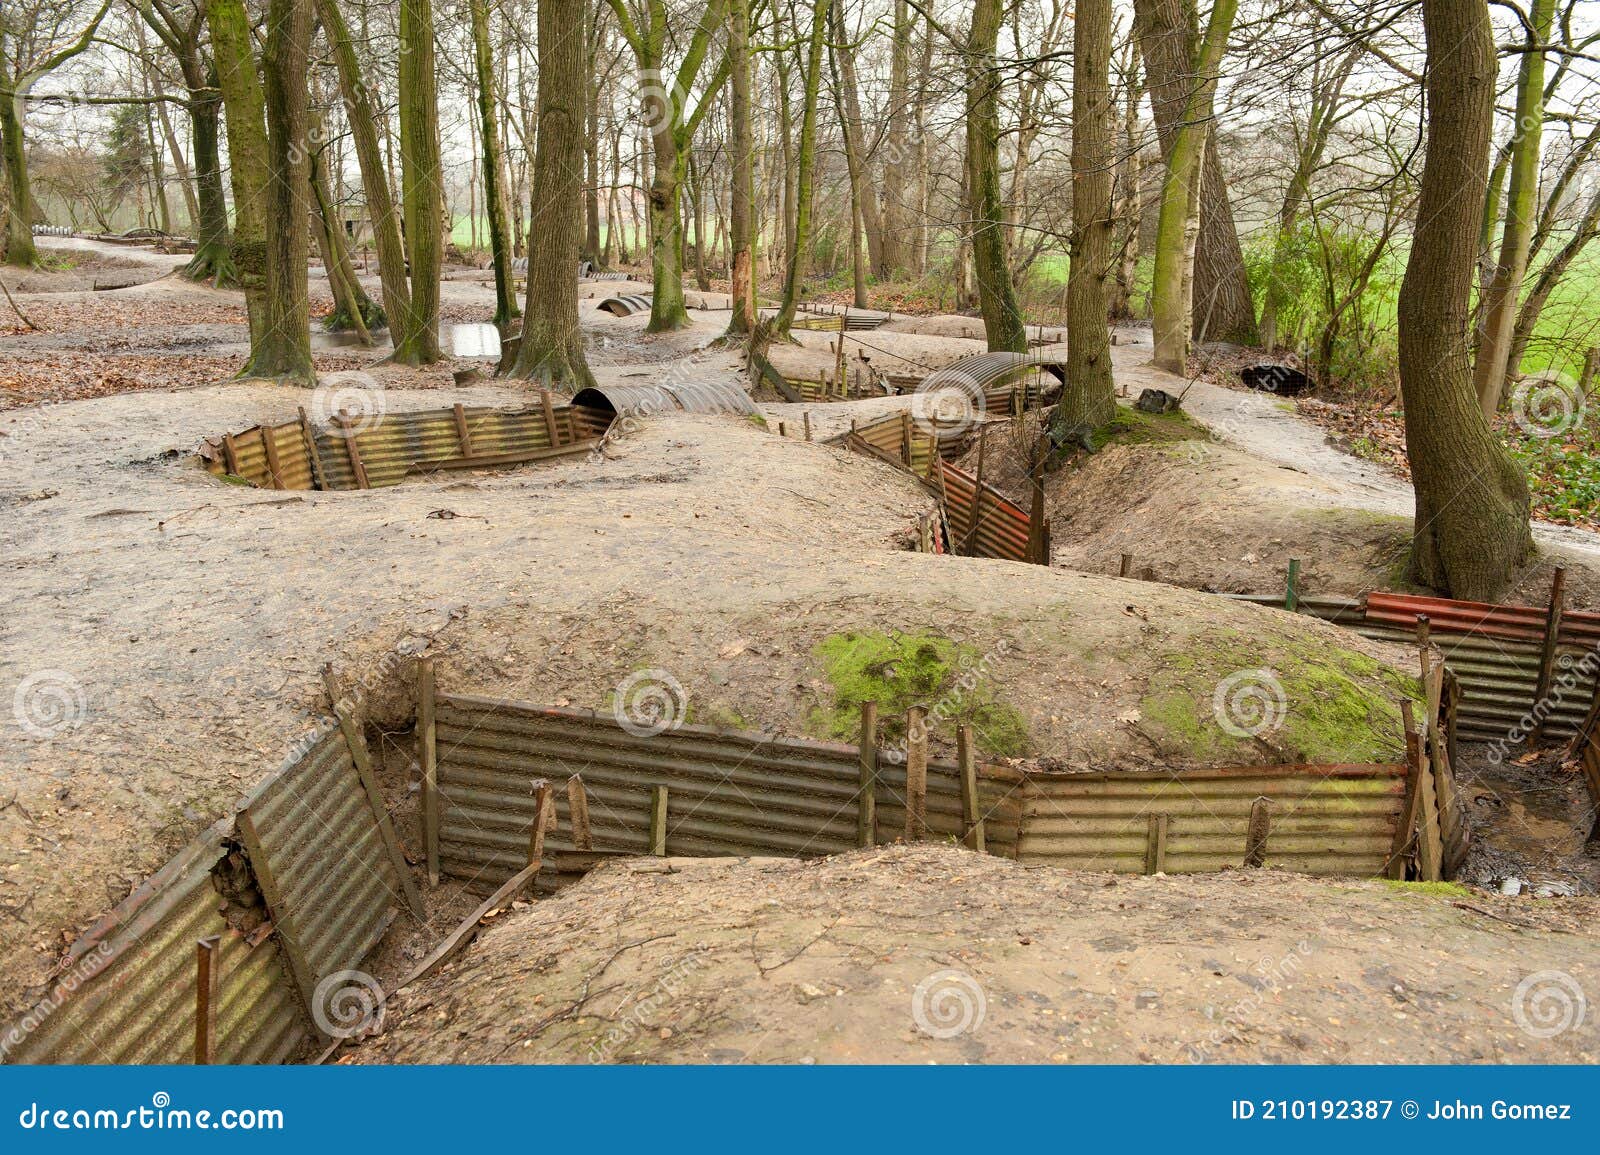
x: 206, y: 978
x: 354, y: 451
x: 541, y: 819
x: 463, y: 435
x: 971, y: 809
x: 1155, y: 847
x: 320, y: 478
x: 269, y: 446
x: 550, y: 428
x: 428, y: 760
x: 1126, y: 567
x: 658, y: 821
x: 230, y: 454
x: 578, y: 814
x: 1291, y: 595
x: 1255, y: 839
x: 1547, y: 659
x: 916, y: 774
x: 807, y: 416
x: 867, y: 786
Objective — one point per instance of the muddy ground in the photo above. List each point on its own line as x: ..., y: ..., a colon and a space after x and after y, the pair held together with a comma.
x: 935, y: 954
x: 181, y: 624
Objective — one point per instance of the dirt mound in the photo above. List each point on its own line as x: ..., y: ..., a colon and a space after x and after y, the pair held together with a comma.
x: 887, y: 352
x: 1201, y: 515
x: 934, y: 954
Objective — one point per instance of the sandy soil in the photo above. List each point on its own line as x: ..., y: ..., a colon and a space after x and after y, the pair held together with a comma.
x: 934, y: 954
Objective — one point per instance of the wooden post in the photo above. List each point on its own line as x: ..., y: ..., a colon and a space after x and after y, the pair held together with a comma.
x: 541, y: 818
x: 916, y: 774
x: 463, y: 435
x: 362, y: 761
x: 782, y: 431
x: 1127, y: 565
x: 578, y: 814
x: 1547, y: 659
x: 320, y: 479
x: 206, y: 976
x: 1291, y: 595
x: 1037, y: 552
x: 838, y: 355
x: 807, y: 417
x: 971, y: 810
x: 1406, y: 827
x: 550, y: 428
x: 977, y: 490
x: 351, y: 448
x: 1255, y: 839
x: 867, y: 787
x: 658, y: 821
x: 905, y: 436
x: 428, y: 760
x: 1155, y: 847
x: 269, y: 446
x: 230, y: 454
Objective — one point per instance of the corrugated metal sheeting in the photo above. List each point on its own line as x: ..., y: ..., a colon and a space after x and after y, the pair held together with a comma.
x: 1337, y: 820
x: 665, y: 396
x: 729, y: 792
x: 316, y: 849
x: 138, y: 1005
x: 316, y: 845
x: 1495, y: 653
x: 740, y: 793
x: 626, y: 305
x: 381, y: 451
x: 982, y: 522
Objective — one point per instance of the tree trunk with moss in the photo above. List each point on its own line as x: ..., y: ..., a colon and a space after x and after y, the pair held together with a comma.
x: 1089, y: 398
x: 743, y: 301
x: 1471, y: 531
x: 997, y: 296
x: 245, y: 109
x: 799, y: 264
x: 353, y: 309
x: 421, y: 182
x: 1499, y: 307
x: 1178, y: 218
x: 19, y: 247
x: 362, y: 118
x: 551, y: 351
x: 494, y: 197
x: 284, y: 348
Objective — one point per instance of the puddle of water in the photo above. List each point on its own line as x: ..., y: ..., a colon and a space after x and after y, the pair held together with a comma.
x: 473, y: 340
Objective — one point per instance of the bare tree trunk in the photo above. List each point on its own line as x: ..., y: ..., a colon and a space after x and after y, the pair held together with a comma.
x: 855, y: 144
x: 892, y: 253
x: 1494, y: 366
x: 421, y: 182
x: 247, y: 153
x: 805, y: 165
x: 997, y: 297
x: 1089, y: 397
x: 591, y: 136
x: 1471, y: 529
x: 284, y: 349
x: 363, y: 122
x: 551, y: 352
x: 505, y: 302
x: 1131, y: 210
x: 743, y: 301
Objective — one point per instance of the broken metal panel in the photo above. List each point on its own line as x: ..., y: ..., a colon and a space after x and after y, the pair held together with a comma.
x: 315, y: 844
x: 126, y: 990
x: 666, y: 396
x: 1331, y: 820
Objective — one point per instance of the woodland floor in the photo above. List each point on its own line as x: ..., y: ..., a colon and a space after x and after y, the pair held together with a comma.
x: 197, y: 616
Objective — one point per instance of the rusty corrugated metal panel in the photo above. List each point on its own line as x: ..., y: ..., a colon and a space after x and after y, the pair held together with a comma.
x: 1514, y: 622
x: 730, y: 792
x: 313, y: 839
x: 1002, y: 527
x: 136, y: 1003
x: 1324, y: 819
x: 665, y: 397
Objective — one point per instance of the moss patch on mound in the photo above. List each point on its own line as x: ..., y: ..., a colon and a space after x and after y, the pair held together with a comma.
x: 1225, y: 695
x: 951, y: 680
